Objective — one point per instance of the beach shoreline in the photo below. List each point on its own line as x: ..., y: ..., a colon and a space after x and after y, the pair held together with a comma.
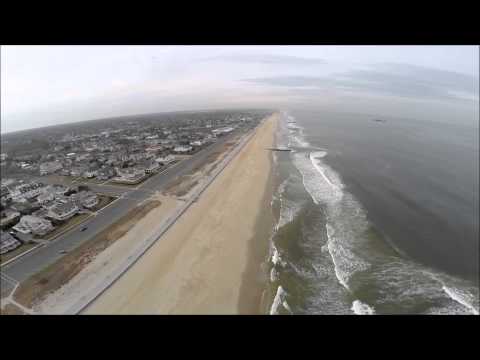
x: 208, y: 262
x: 253, y: 291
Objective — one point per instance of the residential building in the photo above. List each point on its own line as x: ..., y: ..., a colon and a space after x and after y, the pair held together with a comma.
x: 105, y: 173
x: 129, y: 176
x: 8, y: 242
x: 151, y: 167
x: 165, y: 160
x: 33, y: 224
x: 27, y: 191
x: 63, y: 211
x: 182, y: 148
x: 86, y: 199
x: 50, y: 167
x: 58, y: 189
x: 9, y: 217
x: 196, y: 143
x: 45, y: 197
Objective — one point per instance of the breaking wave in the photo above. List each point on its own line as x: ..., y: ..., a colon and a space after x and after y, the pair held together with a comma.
x: 343, y: 261
x: 279, y: 301
x: 360, y: 308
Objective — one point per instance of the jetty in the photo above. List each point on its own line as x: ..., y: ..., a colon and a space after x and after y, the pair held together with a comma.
x: 279, y: 149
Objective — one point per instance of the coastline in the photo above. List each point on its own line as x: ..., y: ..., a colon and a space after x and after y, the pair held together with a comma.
x: 253, y: 290
x: 203, y: 264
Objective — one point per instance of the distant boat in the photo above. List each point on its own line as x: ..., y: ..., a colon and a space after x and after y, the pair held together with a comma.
x: 380, y: 120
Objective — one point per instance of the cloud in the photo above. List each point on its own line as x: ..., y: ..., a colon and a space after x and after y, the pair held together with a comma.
x: 268, y: 59
x: 403, y: 80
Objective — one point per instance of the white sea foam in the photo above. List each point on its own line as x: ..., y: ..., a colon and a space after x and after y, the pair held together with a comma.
x: 286, y: 306
x: 276, y: 259
x: 460, y: 297
x: 298, y: 140
x: 314, y: 158
x: 288, y: 211
x: 360, y: 308
x: 277, y: 301
x: 403, y: 280
x: 346, y: 219
x: 273, y: 275
x: 341, y: 275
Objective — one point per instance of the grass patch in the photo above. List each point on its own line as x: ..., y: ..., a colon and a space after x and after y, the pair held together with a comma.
x: 103, y: 200
x: 11, y: 254
x: 183, y: 184
x: 68, y: 225
x: 89, y: 181
x: 111, y: 182
x: 51, y: 278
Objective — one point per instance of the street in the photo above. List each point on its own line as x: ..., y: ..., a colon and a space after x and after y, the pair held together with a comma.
x: 22, y: 268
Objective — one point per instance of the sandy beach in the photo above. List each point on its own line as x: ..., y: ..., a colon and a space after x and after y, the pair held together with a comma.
x: 105, y: 262
x: 202, y: 265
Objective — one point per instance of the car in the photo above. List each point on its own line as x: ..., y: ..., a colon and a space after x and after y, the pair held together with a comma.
x: 83, y: 228
x: 62, y: 251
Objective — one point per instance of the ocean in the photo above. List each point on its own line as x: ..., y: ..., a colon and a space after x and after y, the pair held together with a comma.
x: 374, y: 216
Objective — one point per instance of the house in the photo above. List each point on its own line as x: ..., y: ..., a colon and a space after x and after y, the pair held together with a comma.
x: 86, y: 199
x: 154, y: 148
x: 33, y: 224
x: 197, y: 143
x: 165, y: 160
x: 41, y: 213
x: 90, y: 174
x: 8, y: 242
x: 63, y: 211
x: 151, y: 167
x: 45, y: 197
x: 9, y: 217
x: 105, y: 173
x: 129, y: 176
x: 5, y: 194
x: 50, y: 167
x: 58, y: 189
x: 221, y: 131
x: 23, y: 208
x: 49, y: 204
x: 27, y: 191
x: 77, y: 170
x: 182, y: 148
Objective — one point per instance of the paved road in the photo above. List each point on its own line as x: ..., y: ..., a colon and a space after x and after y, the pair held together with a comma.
x: 41, y: 257
x: 104, y: 283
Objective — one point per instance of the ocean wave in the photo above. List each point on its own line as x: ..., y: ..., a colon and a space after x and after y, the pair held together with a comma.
x: 401, y: 284
x: 298, y: 140
x: 360, y: 308
x: 345, y: 218
x: 320, y: 187
x: 461, y: 297
x: 287, y: 307
x: 345, y: 261
x: 288, y: 211
x: 457, y: 290
x: 275, y: 258
x: 278, y: 301
x: 273, y: 275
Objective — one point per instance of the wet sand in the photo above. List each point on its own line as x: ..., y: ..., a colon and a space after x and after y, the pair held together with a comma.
x: 208, y: 262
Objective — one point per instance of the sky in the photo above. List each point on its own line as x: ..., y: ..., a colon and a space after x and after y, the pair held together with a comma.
x: 48, y: 85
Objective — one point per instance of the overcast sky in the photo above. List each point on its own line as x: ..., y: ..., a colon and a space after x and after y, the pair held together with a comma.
x: 46, y: 85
